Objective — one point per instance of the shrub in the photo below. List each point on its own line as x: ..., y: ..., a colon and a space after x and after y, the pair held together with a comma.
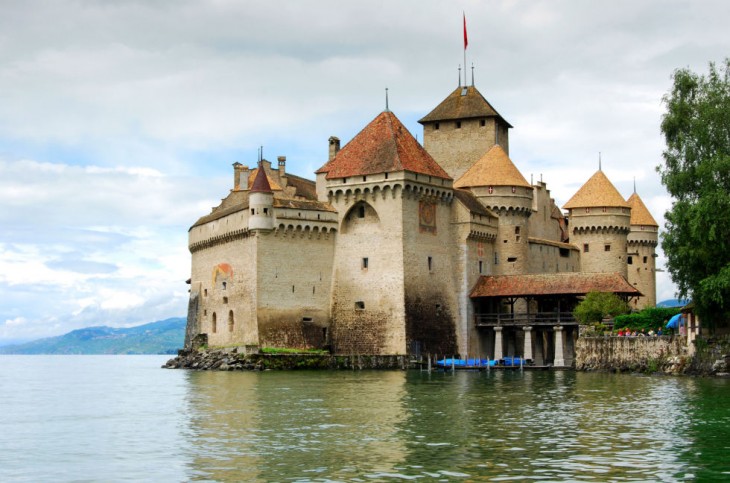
x: 598, y: 305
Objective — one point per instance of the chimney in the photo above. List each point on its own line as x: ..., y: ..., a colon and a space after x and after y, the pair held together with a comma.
x: 282, y: 166
x: 237, y: 167
x: 334, y: 147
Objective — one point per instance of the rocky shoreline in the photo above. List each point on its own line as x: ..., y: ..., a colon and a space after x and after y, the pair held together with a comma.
x: 234, y: 359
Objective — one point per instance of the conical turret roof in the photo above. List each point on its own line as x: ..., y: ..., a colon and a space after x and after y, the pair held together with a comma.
x: 640, y: 214
x: 464, y: 103
x: 598, y: 191
x: 273, y: 185
x: 261, y: 182
x: 383, y: 146
x: 495, y: 168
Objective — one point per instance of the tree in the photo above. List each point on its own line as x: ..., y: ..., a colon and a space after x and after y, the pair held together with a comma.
x: 598, y: 305
x: 696, y: 172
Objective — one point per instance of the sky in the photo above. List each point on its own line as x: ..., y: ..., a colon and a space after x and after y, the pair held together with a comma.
x: 120, y: 120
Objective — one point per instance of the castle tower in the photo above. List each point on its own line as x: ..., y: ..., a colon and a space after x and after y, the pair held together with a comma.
x: 261, y: 202
x: 499, y: 185
x: 393, y: 289
x: 641, y: 256
x: 599, y: 220
x: 461, y: 129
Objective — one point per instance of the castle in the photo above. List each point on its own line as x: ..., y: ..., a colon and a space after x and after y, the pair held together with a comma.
x: 402, y: 248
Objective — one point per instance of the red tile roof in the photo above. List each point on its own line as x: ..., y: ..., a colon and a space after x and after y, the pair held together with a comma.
x: 261, y: 182
x: 383, y: 146
x: 551, y: 284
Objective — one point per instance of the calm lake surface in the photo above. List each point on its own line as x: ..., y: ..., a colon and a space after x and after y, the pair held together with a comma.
x: 122, y: 418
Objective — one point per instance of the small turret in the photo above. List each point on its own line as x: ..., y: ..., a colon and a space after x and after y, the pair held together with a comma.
x: 261, y: 202
x: 599, y: 225
x: 642, y: 242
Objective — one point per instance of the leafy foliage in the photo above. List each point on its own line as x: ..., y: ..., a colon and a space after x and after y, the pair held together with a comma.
x: 696, y: 172
x: 647, y: 319
x: 598, y: 305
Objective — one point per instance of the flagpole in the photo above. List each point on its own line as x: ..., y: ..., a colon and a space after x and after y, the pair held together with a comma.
x: 466, y: 42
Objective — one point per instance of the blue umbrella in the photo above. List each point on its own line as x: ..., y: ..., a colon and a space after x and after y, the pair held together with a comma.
x: 674, y: 322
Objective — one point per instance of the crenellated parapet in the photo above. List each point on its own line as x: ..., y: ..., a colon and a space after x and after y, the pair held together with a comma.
x: 601, y: 230
x: 219, y: 239
x: 305, y: 230
x: 383, y: 191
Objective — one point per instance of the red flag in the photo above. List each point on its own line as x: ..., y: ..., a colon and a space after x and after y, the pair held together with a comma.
x: 466, y: 41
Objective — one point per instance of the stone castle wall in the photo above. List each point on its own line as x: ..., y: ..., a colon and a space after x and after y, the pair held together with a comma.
x: 457, y: 148
x: 294, y: 277
x: 368, y: 315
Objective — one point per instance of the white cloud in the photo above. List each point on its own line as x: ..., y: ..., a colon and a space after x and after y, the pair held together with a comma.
x: 120, y: 120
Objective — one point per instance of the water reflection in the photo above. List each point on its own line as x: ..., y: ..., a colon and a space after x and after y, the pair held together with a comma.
x: 355, y: 426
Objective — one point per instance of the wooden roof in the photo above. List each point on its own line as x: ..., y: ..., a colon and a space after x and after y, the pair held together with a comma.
x: 463, y: 103
x: 598, y: 191
x: 383, y: 146
x: 640, y: 213
x: 551, y: 284
x: 495, y: 168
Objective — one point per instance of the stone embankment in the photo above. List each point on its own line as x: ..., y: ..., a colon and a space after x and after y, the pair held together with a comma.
x: 231, y: 359
x: 665, y: 354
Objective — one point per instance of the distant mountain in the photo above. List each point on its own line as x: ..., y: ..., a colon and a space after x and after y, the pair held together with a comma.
x: 672, y: 303
x: 162, y: 337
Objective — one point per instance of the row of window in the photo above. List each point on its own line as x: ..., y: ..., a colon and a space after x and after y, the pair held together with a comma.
x: 457, y: 124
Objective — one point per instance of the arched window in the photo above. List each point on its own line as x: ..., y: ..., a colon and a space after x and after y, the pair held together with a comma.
x: 214, y: 328
x: 230, y: 321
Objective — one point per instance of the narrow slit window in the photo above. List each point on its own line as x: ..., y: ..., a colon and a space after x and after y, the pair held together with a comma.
x: 365, y: 263
x: 430, y: 264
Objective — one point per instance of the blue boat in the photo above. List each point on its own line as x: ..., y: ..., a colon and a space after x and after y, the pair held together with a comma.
x: 477, y: 363
x: 465, y: 363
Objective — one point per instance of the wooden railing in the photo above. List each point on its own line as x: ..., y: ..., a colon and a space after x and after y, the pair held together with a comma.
x: 539, y: 318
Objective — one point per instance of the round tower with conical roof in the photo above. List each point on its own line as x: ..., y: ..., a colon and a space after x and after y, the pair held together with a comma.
x: 499, y: 185
x: 261, y: 203
x: 599, y: 219
x: 641, y: 257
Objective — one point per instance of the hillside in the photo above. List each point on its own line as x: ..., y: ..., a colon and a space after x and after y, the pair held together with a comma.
x: 161, y: 337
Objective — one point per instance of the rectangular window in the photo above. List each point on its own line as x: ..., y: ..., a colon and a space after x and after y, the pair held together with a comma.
x: 360, y: 305
x: 266, y: 211
x: 205, y: 292
x: 607, y: 248
x: 630, y: 260
x: 511, y: 259
x: 458, y: 124
x: 430, y: 264
x: 436, y: 126
x: 585, y: 248
x: 645, y: 259
x: 365, y: 262
x: 225, y: 300
x: 481, y: 266
x: 483, y: 122
x: 517, y: 230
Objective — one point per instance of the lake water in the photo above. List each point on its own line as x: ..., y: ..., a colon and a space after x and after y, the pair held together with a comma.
x: 122, y: 418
